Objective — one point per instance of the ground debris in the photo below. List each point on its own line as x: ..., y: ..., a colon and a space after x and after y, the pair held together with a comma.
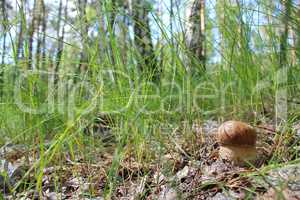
x: 188, y: 168
x: 281, y: 183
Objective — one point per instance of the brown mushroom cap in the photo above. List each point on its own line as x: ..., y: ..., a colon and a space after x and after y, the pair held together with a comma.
x: 236, y: 133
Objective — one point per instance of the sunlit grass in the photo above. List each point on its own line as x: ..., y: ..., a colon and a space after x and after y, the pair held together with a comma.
x: 243, y: 83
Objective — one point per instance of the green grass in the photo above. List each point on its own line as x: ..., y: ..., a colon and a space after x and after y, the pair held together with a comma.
x: 140, y: 108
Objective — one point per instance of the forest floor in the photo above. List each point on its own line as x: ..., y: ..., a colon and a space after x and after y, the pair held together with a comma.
x: 190, y: 170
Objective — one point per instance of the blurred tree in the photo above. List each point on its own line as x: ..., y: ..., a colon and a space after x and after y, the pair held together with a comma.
x: 4, y: 20
x: 44, y: 29
x: 84, y: 29
x: 147, y: 63
x: 22, y: 18
x: 112, y: 7
x: 297, y: 31
x: 40, y: 29
x: 221, y: 21
x: 60, y: 37
x: 31, y: 31
x: 197, y: 32
x: 286, y: 9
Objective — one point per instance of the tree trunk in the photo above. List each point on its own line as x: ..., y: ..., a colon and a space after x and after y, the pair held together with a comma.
x: 58, y: 37
x: 83, y: 35
x: 111, y: 30
x: 112, y: 15
x: 286, y: 4
x: 4, y: 26
x: 172, y: 32
x: 147, y: 62
x: 298, y: 32
x: 60, y: 47
x: 20, y: 34
x: 281, y: 98
x: 39, y: 35
x: 31, y: 34
x: 44, y: 28
x: 197, y: 40
x: 125, y: 38
x: 294, y: 46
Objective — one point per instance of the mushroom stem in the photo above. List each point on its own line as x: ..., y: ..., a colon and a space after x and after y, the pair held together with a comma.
x: 238, y: 154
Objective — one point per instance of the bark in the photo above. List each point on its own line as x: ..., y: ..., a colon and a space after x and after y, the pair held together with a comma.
x: 111, y: 30
x: 20, y: 34
x: 4, y: 26
x: 294, y: 46
x: 101, y: 32
x: 297, y: 46
x: 112, y: 15
x: 197, y: 40
x: 83, y: 35
x: 171, y: 30
x: 281, y: 98
x: 39, y: 35
x: 223, y: 23
x: 286, y: 4
x: 60, y: 47
x: 44, y: 28
x: 125, y: 39
x: 243, y: 42
x: 147, y: 63
x: 31, y: 34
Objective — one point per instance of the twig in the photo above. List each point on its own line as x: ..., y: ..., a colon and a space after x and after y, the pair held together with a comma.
x: 177, y: 145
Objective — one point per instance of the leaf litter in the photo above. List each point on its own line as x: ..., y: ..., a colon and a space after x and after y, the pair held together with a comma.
x: 184, y: 171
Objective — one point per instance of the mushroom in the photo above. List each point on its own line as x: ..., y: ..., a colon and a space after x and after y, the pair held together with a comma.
x: 237, y: 142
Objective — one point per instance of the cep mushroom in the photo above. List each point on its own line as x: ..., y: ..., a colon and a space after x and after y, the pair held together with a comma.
x: 237, y: 142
